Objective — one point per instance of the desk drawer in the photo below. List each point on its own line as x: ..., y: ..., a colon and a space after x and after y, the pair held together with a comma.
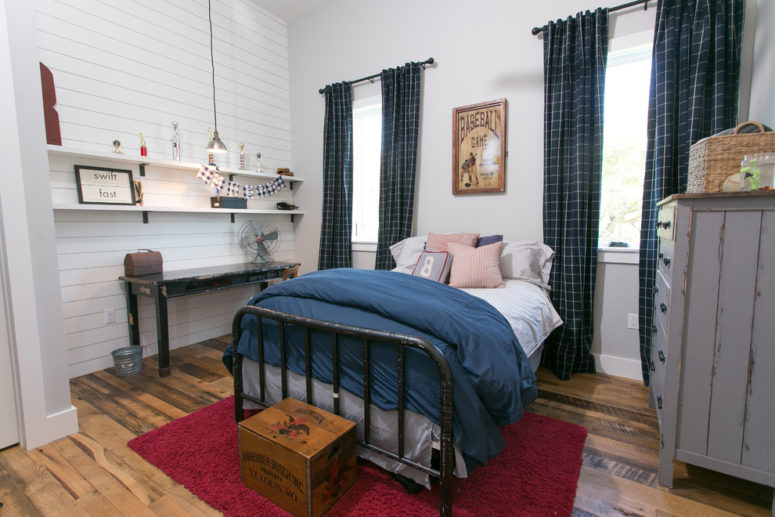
x: 277, y: 273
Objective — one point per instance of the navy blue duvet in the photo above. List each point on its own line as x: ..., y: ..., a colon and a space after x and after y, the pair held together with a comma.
x: 493, y: 380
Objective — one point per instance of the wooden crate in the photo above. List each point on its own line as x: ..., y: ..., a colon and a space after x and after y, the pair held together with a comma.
x: 298, y: 456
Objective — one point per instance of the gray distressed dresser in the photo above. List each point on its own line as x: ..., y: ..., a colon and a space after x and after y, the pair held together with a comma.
x: 713, y: 353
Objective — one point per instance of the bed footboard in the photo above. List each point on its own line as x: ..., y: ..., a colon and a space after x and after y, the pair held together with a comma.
x: 366, y: 336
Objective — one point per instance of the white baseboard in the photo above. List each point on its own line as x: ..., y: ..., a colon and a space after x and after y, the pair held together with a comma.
x: 618, y: 366
x: 55, y: 426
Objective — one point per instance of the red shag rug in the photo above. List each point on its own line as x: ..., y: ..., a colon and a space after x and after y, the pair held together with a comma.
x: 535, y: 474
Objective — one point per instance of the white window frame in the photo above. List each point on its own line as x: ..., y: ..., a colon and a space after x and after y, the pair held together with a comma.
x: 607, y: 254
x: 360, y: 242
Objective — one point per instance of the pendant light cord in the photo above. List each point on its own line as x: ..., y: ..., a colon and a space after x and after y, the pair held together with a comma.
x: 212, y: 61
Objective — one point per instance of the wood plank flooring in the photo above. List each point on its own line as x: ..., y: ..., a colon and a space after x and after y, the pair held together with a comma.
x: 94, y: 473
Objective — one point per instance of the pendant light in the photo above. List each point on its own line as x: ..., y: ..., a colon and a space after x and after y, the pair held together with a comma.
x: 215, y: 145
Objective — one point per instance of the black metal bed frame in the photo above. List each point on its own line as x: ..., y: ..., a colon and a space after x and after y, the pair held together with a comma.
x: 446, y: 461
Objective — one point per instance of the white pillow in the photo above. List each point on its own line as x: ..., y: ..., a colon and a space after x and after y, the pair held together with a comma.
x: 406, y: 253
x: 527, y: 260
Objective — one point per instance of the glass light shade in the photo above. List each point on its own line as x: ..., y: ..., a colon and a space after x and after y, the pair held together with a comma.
x: 216, y: 145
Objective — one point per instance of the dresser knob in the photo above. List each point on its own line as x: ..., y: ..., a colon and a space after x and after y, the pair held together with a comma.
x: 661, y: 355
x: 666, y: 225
x: 654, y: 329
x: 656, y: 289
x: 666, y: 261
x: 659, y: 402
x: 660, y: 255
x: 663, y: 307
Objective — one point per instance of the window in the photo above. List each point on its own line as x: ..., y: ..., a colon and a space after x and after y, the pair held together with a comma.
x: 624, y: 144
x: 367, y: 146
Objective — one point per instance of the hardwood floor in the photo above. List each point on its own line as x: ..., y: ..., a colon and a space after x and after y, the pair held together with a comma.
x: 93, y: 473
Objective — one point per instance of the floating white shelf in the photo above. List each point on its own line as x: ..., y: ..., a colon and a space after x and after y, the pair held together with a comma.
x: 136, y: 208
x: 170, y: 164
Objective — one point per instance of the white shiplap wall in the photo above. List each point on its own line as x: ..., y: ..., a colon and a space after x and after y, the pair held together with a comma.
x: 130, y: 66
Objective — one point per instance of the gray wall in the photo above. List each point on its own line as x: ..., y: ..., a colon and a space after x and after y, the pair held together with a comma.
x: 762, y: 106
x: 483, y: 53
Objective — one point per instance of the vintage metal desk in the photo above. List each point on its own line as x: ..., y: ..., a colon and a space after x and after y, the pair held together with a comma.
x: 171, y: 284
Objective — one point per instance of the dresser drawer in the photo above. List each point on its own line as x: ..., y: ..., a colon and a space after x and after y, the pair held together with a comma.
x: 661, y: 300
x: 658, y: 360
x: 665, y: 257
x: 666, y: 222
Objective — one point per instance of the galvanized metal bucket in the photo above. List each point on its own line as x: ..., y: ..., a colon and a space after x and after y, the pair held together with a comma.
x: 128, y: 360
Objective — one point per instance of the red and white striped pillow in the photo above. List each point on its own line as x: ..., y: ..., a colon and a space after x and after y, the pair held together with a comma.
x: 438, y: 242
x: 475, y: 267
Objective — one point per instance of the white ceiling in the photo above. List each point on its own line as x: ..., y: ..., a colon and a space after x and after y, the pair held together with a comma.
x: 290, y: 9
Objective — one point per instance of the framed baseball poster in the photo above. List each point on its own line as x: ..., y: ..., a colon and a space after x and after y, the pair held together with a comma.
x: 479, y: 147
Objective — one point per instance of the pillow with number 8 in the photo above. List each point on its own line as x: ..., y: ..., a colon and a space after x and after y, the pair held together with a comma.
x: 433, y: 265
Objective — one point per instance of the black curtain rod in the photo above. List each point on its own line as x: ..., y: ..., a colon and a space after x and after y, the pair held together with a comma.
x: 428, y: 61
x: 645, y: 3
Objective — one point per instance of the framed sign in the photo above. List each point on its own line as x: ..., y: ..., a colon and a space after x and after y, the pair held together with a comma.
x: 479, y: 147
x: 104, y: 186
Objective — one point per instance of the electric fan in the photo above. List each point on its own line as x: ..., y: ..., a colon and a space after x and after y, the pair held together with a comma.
x: 259, y: 240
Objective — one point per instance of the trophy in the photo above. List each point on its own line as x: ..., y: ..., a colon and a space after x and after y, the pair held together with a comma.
x: 175, y: 142
x: 116, y: 146
x: 258, y: 162
x: 143, y: 148
x: 241, y: 156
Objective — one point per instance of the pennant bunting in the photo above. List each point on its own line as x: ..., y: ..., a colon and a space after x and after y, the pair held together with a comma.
x: 209, y: 174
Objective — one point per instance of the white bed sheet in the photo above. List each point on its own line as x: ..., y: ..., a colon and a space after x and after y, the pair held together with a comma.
x: 527, y: 308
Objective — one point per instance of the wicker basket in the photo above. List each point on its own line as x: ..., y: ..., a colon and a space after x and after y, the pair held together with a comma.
x: 713, y: 159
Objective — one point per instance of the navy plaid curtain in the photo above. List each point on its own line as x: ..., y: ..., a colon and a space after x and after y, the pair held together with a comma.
x: 336, y: 229
x: 400, y: 130
x: 575, y: 54
x: 694, y: 91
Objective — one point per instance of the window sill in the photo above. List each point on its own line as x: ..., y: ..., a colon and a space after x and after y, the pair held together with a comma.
x: 365, y: 246
x: 618, y: 255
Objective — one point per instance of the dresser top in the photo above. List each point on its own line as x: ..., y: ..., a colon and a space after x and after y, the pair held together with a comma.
x: 720, y: 195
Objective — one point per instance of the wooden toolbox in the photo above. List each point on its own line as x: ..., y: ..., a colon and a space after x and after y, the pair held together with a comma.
x: 298, y: 456
x: 145, y: 262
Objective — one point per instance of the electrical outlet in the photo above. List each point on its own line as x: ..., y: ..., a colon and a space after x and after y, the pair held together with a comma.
x: 632, y: 321
x: 109, y: 315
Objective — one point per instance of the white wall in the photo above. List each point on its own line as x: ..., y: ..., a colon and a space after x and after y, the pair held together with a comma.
x: 34, y: 311
x: 762, y: 106
x: 9, y: 413
x: 616, y: 347
x: 121, y: 68
x: 484, y: 51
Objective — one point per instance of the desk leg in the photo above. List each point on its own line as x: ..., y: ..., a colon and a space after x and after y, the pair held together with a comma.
x: 162, y: 332
x: 133, y: 317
